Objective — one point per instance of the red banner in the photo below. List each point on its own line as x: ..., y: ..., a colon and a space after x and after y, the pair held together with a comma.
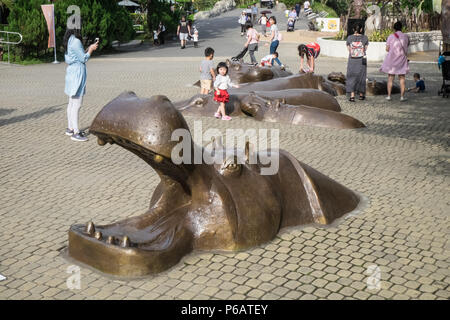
x: 49, y: 14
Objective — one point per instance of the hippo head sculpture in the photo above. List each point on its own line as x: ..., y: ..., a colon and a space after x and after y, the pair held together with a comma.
x: 227, y: 205
x: 242, y: 73
x: 292, y: 106
x: 337, y: 77
x: 379, y: 87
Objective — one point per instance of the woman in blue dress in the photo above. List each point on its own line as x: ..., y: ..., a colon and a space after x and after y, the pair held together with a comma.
x: 76, y: 58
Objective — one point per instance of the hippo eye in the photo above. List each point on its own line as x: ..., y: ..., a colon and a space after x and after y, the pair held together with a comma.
x: 199, y: 102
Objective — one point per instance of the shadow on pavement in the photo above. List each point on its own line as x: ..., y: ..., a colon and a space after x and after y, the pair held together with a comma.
x: 4, y: 112
x: 33, y: 115
x: 420, y: 119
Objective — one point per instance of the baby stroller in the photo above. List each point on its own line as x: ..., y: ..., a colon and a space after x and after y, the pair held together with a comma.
x: 240, y: 55
x: 444, y: 64
x: 290, y: 25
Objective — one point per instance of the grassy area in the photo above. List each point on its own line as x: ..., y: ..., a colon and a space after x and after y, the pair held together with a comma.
x: 318, y: 7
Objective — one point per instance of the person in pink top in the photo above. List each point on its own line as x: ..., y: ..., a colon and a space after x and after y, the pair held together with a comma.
x: 396, y: 61
x: 252, y: 41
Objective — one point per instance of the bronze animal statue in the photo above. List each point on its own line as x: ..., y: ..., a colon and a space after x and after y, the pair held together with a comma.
x: 297, y: 81
x: 227, y: 205
x: 240, y: 72
x: 244, y: 73
x: 373, y: 87
x: 308, y: 97
x: 292, y: 106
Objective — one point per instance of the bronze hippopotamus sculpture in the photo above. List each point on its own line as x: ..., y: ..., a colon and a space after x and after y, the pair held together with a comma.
x: 243, y: 73
x: 373, y: 87
x: 308, y: 97
x: 227, y: 205
x: 292, y: 106
x: 297, y: 81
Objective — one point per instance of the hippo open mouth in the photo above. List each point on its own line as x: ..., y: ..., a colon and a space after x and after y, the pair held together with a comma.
x: 227, y: 206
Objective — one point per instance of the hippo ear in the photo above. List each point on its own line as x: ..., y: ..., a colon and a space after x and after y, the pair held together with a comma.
x: 252, y: 93
x: 283, y: 101
x: 228, y: 62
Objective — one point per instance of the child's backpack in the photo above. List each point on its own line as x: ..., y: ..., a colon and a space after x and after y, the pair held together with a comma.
x: 356, y: 49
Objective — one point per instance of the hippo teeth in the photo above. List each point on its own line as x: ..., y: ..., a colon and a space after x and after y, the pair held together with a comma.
x: 125, y: 242
x: 101, y: 142
x: 90, y: 228
x: 110, y: 240
x: 98, y: 235
x: 158, y: 158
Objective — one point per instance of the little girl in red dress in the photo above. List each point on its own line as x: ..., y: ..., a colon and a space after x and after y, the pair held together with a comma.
x: 222, y: 83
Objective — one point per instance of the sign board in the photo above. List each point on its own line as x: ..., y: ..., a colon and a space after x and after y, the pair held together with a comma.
x: 328, y: 24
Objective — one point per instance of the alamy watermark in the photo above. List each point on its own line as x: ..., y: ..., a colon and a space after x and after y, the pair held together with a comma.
x: 240, y: 145
x: 374, y: 280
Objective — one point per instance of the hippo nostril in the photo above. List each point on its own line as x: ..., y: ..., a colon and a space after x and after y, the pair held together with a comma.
x: 125, y: 242
x: 90, y: 228
x: 98, y: 235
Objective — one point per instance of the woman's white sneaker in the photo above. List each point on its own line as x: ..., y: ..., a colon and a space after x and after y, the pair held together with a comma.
x: 388, y: 98
x: 69, y: 132
x: 78, y: 137
x: 403, y: 99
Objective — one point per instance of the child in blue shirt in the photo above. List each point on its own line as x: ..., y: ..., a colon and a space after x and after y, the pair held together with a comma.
x: 420, y: 84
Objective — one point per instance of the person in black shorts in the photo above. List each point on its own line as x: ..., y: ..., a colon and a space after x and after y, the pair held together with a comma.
x: 183, y: 31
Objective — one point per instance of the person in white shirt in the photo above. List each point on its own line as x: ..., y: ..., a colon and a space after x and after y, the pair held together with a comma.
x: 268, y: 60
x: 242, y: 20
x: 306, y: 5
x: 221, y: 85
x: 263, y: 22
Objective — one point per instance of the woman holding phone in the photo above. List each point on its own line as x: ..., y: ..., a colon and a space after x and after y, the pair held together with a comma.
x: 76, y: 58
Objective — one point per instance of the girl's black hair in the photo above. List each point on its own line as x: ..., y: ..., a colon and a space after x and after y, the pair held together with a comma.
x: 248, y: 25
x: 274, y: 19
x: 68, y: 34
x: 302, y: 50
x: 222, y: 65
x: 398, y: 26
x: 358, y: 27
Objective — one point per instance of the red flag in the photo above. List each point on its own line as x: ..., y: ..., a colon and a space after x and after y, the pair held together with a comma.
x: 49, y: 14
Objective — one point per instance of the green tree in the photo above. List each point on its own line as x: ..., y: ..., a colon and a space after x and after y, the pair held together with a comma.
x: 99, y: 18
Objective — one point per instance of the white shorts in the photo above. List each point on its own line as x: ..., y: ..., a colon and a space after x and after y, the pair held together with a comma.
x: 183, y: 36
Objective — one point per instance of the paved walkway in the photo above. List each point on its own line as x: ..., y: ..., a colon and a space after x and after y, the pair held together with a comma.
x: 400, y: 163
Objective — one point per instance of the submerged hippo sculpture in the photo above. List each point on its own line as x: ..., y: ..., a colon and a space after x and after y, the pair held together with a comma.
x: 228, y: 205
x: 297, y: 81
x: 293, y: 106
x: 373, y: 87
x: 204, y: 104
x: 272, y: 107
x: 245, y: 73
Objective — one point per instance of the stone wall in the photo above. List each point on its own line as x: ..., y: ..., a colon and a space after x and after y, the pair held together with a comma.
x: 424, y: 41
x: 219, y: 7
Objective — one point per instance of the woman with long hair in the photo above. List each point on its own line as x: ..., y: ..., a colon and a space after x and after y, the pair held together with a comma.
x: 76, y: 58
x: 357, y: 63
x: 396, y: 61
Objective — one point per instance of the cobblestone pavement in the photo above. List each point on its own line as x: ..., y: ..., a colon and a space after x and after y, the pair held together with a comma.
x: 400, y: 163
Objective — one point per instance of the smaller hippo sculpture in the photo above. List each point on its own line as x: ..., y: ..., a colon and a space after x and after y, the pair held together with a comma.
x: 297, y: 81
x: 308, y: 97
x: 228, y: 205
x: 245, y: 73
x: 379, y: 87
x: 276, y: 106
x: 373, y: 87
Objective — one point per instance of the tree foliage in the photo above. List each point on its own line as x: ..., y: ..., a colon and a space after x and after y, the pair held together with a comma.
x: 99, y: 18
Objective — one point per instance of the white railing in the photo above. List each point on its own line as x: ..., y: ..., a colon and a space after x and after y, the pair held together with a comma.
x: 7, y: 41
